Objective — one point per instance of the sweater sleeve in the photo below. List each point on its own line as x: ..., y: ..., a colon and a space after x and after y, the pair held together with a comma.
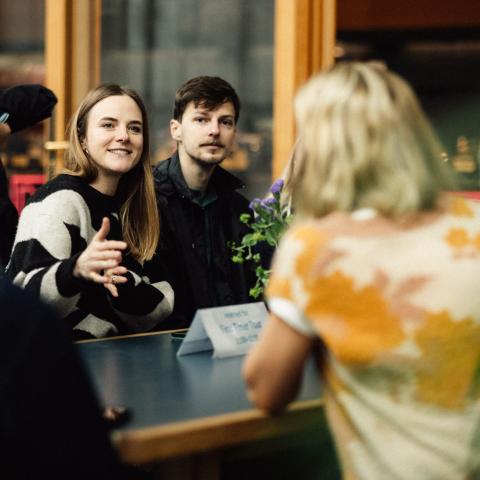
x: 147, y: 298
x: 48, y: 242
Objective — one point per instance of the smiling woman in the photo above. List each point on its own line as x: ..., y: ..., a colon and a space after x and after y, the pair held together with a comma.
x: 86, y: 240
x: 114, y: 140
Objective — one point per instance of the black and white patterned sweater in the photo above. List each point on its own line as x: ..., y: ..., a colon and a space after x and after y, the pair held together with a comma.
x: 55, y: 227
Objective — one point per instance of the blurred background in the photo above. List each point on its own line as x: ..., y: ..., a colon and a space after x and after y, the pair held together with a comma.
x: 156, y: 45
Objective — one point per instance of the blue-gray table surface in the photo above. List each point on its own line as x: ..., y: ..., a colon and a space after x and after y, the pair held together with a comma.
x: 144, y: 374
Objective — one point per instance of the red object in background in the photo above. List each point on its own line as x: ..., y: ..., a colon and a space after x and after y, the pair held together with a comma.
x: 22, y: 186
x: 473, y: 194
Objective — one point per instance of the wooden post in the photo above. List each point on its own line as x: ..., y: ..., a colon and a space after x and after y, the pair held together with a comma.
x: 304, y: 44
x: 72, y: 53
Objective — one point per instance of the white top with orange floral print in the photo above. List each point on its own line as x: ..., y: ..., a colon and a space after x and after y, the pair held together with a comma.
x: 398, y: 307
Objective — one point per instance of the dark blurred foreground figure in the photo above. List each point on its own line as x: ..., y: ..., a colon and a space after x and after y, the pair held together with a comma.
x: 8, y: 220
x: 50, y: 422
x: 21, y: 106
x: 381, y: 270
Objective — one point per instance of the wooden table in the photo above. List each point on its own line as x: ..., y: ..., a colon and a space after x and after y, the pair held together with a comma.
x: 189, y: 407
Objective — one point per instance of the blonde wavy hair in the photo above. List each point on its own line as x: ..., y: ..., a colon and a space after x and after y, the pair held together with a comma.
x: 138, y: 211
x: 364, y: 141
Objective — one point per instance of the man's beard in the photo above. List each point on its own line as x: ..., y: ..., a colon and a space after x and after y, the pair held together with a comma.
x: 207, y: 164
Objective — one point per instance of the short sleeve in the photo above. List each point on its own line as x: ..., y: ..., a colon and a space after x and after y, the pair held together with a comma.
x: 291, y: 315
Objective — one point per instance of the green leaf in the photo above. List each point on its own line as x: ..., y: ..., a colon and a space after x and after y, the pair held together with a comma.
x: 265, y: 225
x: 255, y: 292
x: 245, y: 218
x: 249, y: 240
x: 270, y: 238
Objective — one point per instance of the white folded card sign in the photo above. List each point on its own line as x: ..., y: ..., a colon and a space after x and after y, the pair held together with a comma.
x: 229, y: 330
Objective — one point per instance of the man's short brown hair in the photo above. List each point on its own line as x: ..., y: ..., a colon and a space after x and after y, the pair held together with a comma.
x: 205, y: 91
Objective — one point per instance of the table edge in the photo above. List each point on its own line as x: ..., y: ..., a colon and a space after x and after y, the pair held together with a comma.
x: 147, y: 445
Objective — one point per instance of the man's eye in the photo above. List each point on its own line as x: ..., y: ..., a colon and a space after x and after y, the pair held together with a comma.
x: 200, y: 120
x: 228, y: 123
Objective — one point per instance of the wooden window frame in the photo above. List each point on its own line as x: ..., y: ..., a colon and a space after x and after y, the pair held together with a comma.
x: 72, y: 63
x: 304, y: 44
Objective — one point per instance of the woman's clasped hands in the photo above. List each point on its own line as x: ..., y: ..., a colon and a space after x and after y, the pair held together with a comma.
x: 100, y: 261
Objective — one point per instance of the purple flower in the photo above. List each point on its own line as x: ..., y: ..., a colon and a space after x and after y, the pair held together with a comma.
x: 277, y: 186
x: 268, y: 202
x: 254, y: 204
x: 265, y: 205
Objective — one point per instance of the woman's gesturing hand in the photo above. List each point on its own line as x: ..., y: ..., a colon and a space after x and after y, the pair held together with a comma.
x: 101, y: 256
x: 115, y: 277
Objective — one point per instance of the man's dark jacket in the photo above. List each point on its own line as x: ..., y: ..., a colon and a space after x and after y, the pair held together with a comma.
x: 201, y: 272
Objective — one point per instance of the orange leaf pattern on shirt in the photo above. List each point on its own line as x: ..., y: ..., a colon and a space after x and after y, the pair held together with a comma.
x: 400, y: 316
x: 281, y: 286
x: 342, y: 312
x: 463, y: 243
x: 459, y: 207
x: 457, y: 238
x: 451, y: 358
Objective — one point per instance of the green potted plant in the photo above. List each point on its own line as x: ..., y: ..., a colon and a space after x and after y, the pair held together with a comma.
x: 268, y: 220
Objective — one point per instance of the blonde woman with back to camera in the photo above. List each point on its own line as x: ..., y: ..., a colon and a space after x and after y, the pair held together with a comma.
x: 86, y: 240
x: 378, y: 278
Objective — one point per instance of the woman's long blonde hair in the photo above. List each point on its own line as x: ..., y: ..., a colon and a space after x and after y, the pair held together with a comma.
x: 138, y: 210
x: 364, y: 141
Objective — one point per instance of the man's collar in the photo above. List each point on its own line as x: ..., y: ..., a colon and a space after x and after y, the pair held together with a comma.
x: 176, y: 175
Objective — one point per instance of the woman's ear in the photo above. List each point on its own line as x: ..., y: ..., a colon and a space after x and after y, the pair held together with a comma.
x: 83, y: 143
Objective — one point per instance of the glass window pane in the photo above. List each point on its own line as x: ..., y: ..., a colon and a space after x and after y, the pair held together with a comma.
x: 22, y: 61
x: 441, y: 66
x: 156, y: 45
